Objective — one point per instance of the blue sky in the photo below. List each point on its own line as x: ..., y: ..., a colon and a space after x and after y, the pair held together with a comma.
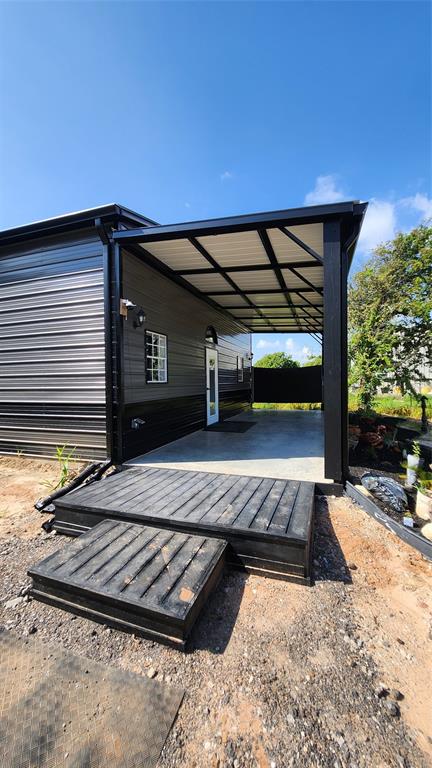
x: 192, y: 110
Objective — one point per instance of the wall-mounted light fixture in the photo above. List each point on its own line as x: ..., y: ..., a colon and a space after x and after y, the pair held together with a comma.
x: 139, y: 318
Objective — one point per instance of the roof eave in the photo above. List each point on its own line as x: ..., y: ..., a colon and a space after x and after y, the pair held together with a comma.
x: 111, y: 212
x: 292, y: 216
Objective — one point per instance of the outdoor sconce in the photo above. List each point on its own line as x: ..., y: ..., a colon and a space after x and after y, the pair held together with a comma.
x: 139, y: 318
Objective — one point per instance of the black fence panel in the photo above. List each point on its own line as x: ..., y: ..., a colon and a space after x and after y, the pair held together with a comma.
x: 288, y: 385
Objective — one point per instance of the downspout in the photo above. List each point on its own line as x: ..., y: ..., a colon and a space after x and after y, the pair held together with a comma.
x: 106, y: 241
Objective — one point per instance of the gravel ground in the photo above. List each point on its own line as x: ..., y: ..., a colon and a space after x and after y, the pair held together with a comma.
x: 277, y: 674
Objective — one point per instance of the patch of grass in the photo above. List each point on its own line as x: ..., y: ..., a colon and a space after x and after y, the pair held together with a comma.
x: 386, y: 405
x: 391, y: 405
x: 63, y: 456
x: 288, y: 406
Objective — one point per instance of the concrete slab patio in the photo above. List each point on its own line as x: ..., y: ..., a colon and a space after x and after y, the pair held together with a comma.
x: 282, y: 444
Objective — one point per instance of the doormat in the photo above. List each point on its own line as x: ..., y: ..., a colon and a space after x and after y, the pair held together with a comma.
x: 58, y: 709
x: 231, y: 426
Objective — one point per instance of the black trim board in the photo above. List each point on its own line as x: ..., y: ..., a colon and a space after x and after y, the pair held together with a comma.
x: 410, y: 537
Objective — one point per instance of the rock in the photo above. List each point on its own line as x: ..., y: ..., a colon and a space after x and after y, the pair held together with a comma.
x: 381, y: 691
x: 151, y: 673
x: 392, y: 708
x: 426, y: 531
x: 352, y: 566
x: 395, y: 694
x: 16, y: 602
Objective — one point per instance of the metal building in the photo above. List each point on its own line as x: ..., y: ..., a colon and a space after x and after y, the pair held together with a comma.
x: 118, y: 335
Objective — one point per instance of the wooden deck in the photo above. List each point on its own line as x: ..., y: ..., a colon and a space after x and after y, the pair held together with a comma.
x: 267, y: 522
x: 146, y: 580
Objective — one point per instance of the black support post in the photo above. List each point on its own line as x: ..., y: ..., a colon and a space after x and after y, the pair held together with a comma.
x: 335, y: 355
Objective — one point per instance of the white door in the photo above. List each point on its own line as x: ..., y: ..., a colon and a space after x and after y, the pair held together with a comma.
x: 212, y: 386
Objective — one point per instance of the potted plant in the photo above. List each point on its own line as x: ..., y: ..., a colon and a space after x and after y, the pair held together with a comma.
x: 424, y: 495
x: 413, y: 463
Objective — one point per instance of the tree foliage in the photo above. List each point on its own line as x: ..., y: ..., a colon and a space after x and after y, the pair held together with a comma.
x: 276, y: 360
x: 390, y: 315
x: 313, y: 360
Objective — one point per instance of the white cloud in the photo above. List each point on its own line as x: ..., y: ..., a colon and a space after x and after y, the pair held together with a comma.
x: 305, y: 353
x: 267, y: 344
x: 420, y: 203
x: 325, y: 191
x: 226, y: 175
x: 385, y: 217
x: 293, y: 346
x: 379, y: 225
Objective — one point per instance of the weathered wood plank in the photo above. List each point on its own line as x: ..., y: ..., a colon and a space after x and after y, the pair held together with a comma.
x: 162, y: 495
x: 251, y: 508
x: 265, y: 513
x: 202, y: 503
x: 233, y: 510
x: 279, y: 522
x: 257, y: 516
x: 157, y: 582
x: 117, y: 583
x: 300, y: 520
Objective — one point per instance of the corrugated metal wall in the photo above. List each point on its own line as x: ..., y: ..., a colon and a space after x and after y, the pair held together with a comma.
x: 52, y: 348
x: 177, y: 407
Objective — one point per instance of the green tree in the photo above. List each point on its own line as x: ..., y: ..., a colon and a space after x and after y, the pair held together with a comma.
x: 313, y: 360
x: 276, y: 360
x: 390, y: 315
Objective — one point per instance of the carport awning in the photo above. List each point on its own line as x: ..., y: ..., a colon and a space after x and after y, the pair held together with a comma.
x: 266, y: 269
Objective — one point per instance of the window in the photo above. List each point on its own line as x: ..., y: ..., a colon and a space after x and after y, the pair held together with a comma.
x: 240, y: 368
x: 156, y: 358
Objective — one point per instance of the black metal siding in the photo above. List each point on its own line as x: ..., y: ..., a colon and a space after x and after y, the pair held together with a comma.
x: 52, y: 347
x: 173, y: 409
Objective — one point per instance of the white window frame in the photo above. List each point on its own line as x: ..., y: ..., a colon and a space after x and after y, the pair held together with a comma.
x: 157, y: 345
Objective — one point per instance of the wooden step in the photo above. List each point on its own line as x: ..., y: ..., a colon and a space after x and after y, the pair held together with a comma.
x: 267, y: 522
x: 144, y: 580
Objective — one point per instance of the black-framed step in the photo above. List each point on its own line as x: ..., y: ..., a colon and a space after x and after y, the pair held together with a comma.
x: 144, y: 580
x: 267, y: 522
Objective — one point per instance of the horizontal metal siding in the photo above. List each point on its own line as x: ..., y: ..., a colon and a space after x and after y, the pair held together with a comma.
x: 52, y: 349
x: 177, y: 407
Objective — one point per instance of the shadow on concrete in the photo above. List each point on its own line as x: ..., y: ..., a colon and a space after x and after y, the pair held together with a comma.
x: 329, y: 563
x: 214, y: 628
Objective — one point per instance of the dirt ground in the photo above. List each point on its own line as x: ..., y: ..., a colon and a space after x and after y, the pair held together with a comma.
x: 278, y: 675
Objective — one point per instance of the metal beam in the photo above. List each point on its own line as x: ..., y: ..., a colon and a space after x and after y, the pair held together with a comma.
x: 311, y: 304
x: 291, y: 216
x: 279, y: 306
x: 242, y: 268
x: 265, y: 240
x: 302, y: 245
x: 335, y: 354
x: 270, y: 291
x: 229, y: 280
